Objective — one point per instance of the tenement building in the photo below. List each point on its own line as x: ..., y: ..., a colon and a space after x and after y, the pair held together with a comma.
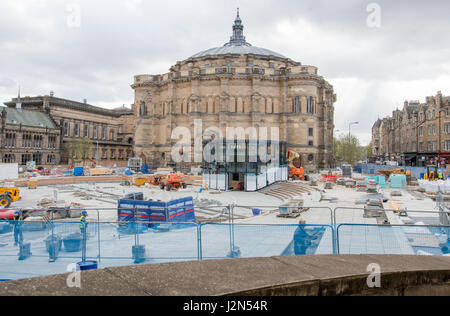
x: 111, y: 131
x: 417, y: 135
x: 232, y: 86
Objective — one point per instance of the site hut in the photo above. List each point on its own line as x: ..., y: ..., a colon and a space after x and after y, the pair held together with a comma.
x: 246, y: 165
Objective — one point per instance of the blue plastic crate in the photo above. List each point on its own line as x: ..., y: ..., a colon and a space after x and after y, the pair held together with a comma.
x: 256, y: 211
x: 87, y: 265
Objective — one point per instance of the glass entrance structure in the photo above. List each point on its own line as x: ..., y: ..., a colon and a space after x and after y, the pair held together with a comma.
x: 243, y: 164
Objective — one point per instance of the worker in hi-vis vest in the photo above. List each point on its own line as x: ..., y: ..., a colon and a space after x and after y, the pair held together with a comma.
x: 18, y: 236
x: 83, y: 222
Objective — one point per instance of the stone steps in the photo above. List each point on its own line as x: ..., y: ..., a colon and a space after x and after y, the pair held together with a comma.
x: 286, y: 190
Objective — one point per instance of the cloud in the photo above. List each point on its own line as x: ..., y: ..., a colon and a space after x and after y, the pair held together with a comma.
x: 373, y: 70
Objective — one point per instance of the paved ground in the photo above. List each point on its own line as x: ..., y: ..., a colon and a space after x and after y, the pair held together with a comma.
x: 297, y: 275
x: 211, y: 204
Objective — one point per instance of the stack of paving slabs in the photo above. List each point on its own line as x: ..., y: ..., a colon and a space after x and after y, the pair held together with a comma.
x: 361, y: 186
x: 373, y: 208
x: 371, y: 186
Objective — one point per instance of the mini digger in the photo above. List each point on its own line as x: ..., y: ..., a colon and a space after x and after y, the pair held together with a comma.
x: 8, y: 195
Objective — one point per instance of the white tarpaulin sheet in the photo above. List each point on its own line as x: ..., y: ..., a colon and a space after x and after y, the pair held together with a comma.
x: 213, y: 182
x: 278, y: 174
x: 205, y: 180
x: 262, y: 180
x: 285, y: 175
x: 271, y: 176
x: 9, y: 171
x: 250, y: 182
x: 222, y: 182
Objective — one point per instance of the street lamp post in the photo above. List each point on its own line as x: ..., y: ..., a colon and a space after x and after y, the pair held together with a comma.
x: 349, y: 129
x: 350, y: 136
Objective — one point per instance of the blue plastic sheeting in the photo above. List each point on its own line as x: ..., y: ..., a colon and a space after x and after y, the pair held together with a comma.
x: 397, y: 181
x: 416, y: 172
x: 78, y: 171
x: 147, y: 212
x: 380, y: 180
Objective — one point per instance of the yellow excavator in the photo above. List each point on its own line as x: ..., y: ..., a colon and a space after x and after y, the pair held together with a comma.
x: 433, y: 174
x: 8, y: 195
x: 387, y: 173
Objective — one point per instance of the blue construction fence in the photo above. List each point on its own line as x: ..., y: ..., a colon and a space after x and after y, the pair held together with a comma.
x: 146, y: 212
x: 32, y: 249
x: 43, y: 248
x: 371, y: 169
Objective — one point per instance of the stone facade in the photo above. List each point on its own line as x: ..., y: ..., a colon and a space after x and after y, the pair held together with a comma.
x: 419, y: 128
x: 111, y: 131
x: 237, y: 85
x: 28, y: 136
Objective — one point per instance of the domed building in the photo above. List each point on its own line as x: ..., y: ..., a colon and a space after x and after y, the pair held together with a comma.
x: 236, y: 85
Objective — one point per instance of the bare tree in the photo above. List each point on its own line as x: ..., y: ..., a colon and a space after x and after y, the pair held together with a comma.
x: 71, y: 150
x: 78, y: 150
x: 84, y: 149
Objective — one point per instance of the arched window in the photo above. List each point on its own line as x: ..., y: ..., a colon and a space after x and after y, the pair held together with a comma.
x: 310, y: 105
x: 143, y: 111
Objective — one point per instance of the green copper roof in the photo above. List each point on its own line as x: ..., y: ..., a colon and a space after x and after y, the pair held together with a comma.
x: 28, y: 118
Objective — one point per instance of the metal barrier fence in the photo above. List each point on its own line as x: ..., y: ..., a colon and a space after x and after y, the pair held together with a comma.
x: 30, y: 249
x: 392, y: 239
x: 355, y: 215
x: 317, y: 215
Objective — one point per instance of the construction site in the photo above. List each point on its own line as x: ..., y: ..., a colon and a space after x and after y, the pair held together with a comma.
x: 163, y: 216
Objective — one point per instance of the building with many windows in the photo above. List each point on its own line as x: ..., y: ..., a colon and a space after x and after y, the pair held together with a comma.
x: 236, y: 86
x: 110, y: 131
x: 28, y: 136
x: 417, y: 135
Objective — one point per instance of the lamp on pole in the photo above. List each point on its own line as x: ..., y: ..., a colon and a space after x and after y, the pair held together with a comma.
x: 349, y: 129
x: 350, y: 138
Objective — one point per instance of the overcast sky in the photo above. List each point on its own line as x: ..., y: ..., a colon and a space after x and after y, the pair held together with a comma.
x: 373, y: 69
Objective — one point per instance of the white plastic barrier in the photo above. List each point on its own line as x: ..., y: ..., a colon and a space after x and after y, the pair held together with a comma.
x: 213, y: 182
x: 9, y: 171
x: 222, y: 183
x: 285, y: 176
x: 262, y: 180
x: 279, y: 174
x: 250, y: 182
x: 205, y: 180
x: 271, y: 176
